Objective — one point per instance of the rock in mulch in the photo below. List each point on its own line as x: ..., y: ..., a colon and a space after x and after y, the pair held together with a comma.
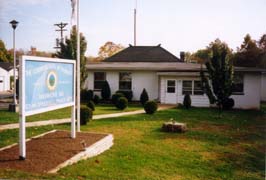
x: 174, y: 127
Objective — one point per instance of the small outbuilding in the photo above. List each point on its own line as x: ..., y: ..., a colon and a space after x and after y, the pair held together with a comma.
x: 6, y: 74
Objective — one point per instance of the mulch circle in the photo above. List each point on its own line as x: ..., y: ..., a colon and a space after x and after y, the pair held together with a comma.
x: 47, y: 152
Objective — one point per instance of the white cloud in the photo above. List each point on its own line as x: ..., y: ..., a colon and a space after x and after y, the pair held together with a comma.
x: 7, y: 6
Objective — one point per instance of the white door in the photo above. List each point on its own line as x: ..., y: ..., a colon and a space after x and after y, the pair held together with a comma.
x: 2, y: 83
x: 171, y: 91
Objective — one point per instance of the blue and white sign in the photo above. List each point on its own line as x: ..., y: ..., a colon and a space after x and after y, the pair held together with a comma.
x: 45, y: 84
x: 49, y: 84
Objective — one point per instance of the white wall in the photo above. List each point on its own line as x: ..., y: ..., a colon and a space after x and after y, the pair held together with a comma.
x: 249, y: 100
x: 197, y: 100
x: 252, y: 94
x: 113, y: 80
x: 263, y: 87
x: 5, y: 77
x: 140, y: 80
x: 148, y: 80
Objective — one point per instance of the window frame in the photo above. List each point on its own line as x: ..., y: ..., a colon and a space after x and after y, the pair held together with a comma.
x: 242, y: 84
x: 192, y: 88
x: 98, y: 81
x: 171, y: 86
x: 198, y: 90
x: 187, y: 90
x: 125, y: 81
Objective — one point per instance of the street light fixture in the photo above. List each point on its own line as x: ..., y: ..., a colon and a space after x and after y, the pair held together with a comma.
x: 14, y: 25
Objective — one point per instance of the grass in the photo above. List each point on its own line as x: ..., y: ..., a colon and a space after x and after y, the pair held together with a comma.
x: 110, y: 109
x: 231, y: 147
x: 7, y: 117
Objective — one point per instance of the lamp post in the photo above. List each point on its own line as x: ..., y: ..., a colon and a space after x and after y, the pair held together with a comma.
x: 14, y: 24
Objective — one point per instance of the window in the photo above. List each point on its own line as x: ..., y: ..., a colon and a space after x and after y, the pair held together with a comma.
x: 197, y: 88
x: 125, y: 81
x: 187, y: 87
x: 170, y: 86
x: 192, y: 88
x: 99, y: 78
x: 238, y: 84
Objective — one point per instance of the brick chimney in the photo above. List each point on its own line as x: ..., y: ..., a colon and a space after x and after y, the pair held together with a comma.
x: 182, y: 56
x: 33, y: 51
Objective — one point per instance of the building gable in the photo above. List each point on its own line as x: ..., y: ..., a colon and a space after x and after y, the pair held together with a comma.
x: 143, y: 54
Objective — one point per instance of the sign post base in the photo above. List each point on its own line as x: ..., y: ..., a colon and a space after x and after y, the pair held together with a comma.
x: 21, y: 158
x: 13, y: 108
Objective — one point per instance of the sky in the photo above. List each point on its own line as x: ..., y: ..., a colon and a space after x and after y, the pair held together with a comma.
x: 178, y: 25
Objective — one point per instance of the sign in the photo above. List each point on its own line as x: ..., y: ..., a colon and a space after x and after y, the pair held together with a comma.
x: 45, y: 84
x: 48, y: 85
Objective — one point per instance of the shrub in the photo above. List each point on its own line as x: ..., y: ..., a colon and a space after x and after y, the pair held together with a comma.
x: 86, y: 95
x: 90, y: 94
x: 85, y: 115
x: 106, y: 91
x: 116, y: 96
x: 228, y: 104
x: 144, y: 97
x: 83, y: 95
x: 96, y: 99
x: 127, y: 94
x: 187, y: 101
x: 179, y: 105
x: 122, y: 103
x: 91, y: 105
x: 150, y: 107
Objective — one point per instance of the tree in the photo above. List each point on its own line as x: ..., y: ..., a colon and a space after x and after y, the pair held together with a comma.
x: 106, y: 91
x: 188, y: 57
x: 5, y: 56
x: 262, y: 46
x: 68, y: 50
x: 262, y: 43
x: 109, y: 49
x: 144, y: 97
x: 220, y: 73
x: 187, y: 101
x: 201, y: 56
x: 248, y: 54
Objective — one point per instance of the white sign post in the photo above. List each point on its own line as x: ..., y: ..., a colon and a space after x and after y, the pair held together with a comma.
x: 45, y: 84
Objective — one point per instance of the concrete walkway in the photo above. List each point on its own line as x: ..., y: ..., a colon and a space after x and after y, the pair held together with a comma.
x: 68, y: 120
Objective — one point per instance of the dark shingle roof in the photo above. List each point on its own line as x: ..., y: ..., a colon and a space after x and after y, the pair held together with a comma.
x: 143, y: 54
x: 7, y: 66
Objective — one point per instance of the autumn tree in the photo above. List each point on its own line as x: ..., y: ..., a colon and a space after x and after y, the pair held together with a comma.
x: 5, y: 56
x: 248, y: 54
x: 201, y: 56
x: 262, y: 42
x: 109, y: 49
x: 220, y: 73
x: 68, y: 50
x: 262, y: 47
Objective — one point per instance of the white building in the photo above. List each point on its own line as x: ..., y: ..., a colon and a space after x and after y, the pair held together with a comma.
x: 166, y: 78
x: 263, y: 86
x: 6, y: 71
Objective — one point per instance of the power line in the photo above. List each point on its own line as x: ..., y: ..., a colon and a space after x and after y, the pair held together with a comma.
x: 61, y: 29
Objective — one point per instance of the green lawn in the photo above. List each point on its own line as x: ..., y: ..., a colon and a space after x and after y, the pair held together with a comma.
x: 7, y: 117
x: 231, y: 147
x: 109, y: 109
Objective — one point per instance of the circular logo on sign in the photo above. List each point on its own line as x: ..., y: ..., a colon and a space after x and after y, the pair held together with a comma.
x: 51, y: 80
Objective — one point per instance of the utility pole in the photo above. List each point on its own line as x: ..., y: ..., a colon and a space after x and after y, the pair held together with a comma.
x: 78, y: 70
x: 135, y: 24
x: 61, y: 29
